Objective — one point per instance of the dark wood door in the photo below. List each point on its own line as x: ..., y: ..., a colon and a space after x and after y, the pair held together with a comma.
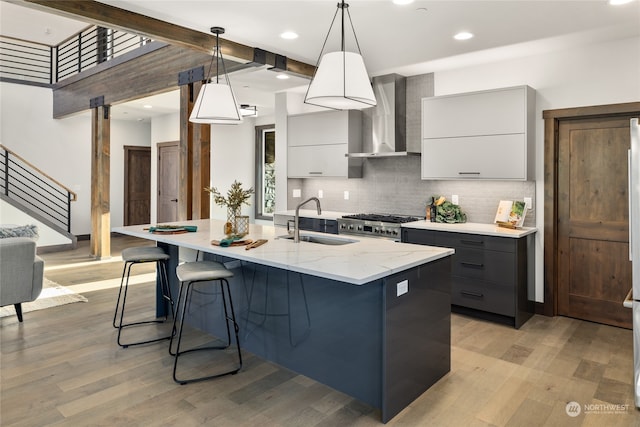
x: 137, y: 185
x: 594, y: 271
x: 168, y: 181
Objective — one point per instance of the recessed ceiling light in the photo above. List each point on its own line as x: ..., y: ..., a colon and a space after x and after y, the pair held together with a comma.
x: 402, y: 2
x: 289, y: 35
x: 619, y: 2
x: 463, y: 35
x: 148, y: 106
x: 281, y: 76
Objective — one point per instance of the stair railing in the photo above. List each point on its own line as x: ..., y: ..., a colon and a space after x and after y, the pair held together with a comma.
x: 26, y: 184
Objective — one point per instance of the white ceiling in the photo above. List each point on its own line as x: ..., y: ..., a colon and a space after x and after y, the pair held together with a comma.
x: 411, y: 39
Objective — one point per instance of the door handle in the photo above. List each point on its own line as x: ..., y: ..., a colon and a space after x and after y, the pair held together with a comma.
x: 174, y: 200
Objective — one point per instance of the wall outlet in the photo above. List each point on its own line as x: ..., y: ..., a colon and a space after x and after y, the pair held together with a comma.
x: 346, y: 195
x: 297, y: 193
x: 528, y: 203
x: 320, y: 194
x: 402, y: 287
x: 454, y: 199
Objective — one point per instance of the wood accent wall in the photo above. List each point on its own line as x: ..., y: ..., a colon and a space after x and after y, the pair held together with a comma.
x: 100, y: 174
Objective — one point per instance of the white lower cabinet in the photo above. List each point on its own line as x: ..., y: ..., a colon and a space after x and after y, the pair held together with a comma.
x: 327, y: 160
x: 475, y: 157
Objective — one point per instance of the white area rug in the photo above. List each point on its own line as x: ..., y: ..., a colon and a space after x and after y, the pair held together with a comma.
x: 52, y: 295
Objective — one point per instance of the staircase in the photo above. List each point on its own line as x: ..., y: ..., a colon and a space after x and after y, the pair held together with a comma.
x: 29, y: 195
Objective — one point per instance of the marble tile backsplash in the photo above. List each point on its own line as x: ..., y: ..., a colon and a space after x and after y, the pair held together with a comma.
x: 393, y: 185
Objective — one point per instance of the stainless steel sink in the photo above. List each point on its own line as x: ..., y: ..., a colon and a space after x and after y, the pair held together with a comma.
x: 322, y: 240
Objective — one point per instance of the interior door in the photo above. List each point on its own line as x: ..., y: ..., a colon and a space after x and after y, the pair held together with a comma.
x: 594, y: 272
x: 137, y: 185
x: 168, y: 181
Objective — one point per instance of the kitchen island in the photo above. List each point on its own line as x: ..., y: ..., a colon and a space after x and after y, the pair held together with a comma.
x: 370, y: 318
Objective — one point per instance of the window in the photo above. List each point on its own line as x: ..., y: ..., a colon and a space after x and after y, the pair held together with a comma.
x: 265, y: 171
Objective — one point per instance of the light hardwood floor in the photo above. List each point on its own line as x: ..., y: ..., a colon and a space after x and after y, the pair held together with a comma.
x: 62, y: 367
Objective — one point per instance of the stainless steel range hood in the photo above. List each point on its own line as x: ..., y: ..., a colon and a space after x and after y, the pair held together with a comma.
x: 387, y: 119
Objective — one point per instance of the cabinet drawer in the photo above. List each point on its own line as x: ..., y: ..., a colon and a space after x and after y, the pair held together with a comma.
x: 483, y: 296
x: 498, y: 267
x: 473, y: 241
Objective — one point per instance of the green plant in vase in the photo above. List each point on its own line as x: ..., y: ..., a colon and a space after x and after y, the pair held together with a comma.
x: 234, y: 199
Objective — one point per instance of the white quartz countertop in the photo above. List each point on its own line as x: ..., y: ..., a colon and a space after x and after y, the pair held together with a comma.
x: 471, y: 228
x: 313, y: 213
x: 364, y: 261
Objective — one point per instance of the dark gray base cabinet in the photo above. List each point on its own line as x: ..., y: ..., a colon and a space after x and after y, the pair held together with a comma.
x: 491, y: 277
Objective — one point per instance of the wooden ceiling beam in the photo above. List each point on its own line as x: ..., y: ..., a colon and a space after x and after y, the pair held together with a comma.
x: 113, y: 17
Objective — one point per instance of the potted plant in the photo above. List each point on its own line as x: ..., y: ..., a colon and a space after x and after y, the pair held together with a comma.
x: 235, y: 198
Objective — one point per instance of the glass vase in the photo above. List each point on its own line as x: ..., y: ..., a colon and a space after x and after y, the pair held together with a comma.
x: 231, y: 228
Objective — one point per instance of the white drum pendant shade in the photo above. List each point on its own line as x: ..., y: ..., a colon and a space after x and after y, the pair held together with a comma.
x: 215, y: 104
x: 341, y: 82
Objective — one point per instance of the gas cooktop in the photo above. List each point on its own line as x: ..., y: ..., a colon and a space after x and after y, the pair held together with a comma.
x: 375, y: 225
x: 395, y: 219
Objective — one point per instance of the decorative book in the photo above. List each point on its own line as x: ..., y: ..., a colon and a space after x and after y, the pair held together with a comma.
x: 510, y: 213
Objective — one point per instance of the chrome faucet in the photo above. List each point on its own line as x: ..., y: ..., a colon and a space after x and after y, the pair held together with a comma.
x: 296, y: 230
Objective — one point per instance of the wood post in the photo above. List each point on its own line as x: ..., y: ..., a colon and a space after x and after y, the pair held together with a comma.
x: 195, y: 164
x: 100, y: 173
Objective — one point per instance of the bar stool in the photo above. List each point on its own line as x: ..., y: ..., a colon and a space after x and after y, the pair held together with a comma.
x: 139, y: 255
x: 264, y: 313
x: 197, y: 272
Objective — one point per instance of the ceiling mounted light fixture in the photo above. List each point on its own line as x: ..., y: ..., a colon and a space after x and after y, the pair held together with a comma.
x: 340, y: 80
x: 247, y: 110
x: 216, y: 102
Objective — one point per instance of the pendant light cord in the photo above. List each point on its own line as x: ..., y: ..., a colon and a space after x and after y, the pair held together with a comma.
x: 218, y: 57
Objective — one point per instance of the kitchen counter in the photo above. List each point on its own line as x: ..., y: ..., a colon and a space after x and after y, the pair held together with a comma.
x: 358, y: 263
x: 472, y: 228
x: 338, y: 314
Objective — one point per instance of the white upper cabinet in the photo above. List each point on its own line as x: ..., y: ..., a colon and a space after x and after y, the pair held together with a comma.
x: 479, y: 135
x: 318, y: 144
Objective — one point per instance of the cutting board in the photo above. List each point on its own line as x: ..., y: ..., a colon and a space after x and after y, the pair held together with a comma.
x: 235, y: 243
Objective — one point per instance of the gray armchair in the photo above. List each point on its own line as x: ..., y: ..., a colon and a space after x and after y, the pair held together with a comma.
x: 21, y: 272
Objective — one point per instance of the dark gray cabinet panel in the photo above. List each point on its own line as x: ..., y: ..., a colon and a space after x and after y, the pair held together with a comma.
x: 318, y: 224
x: 489, y: 274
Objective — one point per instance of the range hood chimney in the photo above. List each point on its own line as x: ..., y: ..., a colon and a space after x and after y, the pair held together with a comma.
x: 388, y: 119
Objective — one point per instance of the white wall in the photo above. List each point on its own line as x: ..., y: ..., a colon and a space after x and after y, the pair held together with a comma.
x: 233, y: 159
x: 62, y: 147
x: 605, y: 73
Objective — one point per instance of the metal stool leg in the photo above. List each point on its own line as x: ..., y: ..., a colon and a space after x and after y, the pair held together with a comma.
x: 122, y: 296
x: 226, y: 298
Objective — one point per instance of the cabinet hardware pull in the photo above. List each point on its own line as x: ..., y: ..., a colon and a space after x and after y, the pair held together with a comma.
x: 472, y: 264
x: 472, y: 294
x: 468, y: 173
x: 173, y: 200
x: 472, y: 242
x: 315, y: 173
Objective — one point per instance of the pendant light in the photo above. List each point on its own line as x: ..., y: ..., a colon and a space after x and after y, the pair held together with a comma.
x: 216, y: 102
x: 340, y: 80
